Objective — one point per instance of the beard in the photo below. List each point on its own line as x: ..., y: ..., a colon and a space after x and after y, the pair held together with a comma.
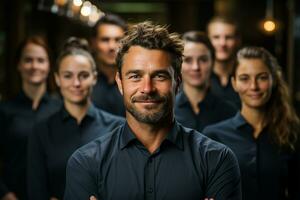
x: 157, y: 113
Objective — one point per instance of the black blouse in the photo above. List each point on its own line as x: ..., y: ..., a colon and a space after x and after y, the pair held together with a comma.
x: 267, y: 172
x: 16, y: 123
x: 53, y: 142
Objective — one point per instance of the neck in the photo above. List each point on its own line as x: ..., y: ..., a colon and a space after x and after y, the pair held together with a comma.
x: 109, y: 72
x: 255, y: 117
x: 34, y: 92
x: 78, y: 111
x: 150, y: 135
x: 195, y: 95
x: 223, y: 70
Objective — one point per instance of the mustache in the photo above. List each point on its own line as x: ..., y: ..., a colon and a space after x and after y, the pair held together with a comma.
x: 147, y: 97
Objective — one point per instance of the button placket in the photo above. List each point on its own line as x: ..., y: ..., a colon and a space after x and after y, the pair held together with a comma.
x: 149, y: 179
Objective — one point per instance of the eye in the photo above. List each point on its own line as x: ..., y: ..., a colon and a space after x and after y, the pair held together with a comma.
x: 41, y: 60
x: 161, y: 77
x: 27, y: 59
x: 203, y: 59
x: 264, y: 77
x: 67, y: 76
x: 84, y: 76
x: 243, y: 78
x: 134, y: 77
x: 187, y: 60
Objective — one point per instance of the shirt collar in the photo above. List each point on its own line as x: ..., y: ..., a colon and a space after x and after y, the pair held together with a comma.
x: 174, y: 136
x: 239, y: 120
x: 182, y: 99
x: 208, y: 100
x: 91, y: 113
x: 25, y: 99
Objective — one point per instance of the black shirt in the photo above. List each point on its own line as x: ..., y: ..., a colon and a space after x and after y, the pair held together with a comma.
x: 266, y: 172
x: 53, y: 142
x: 212, y: 110
x: 187, y: 165
x: 225, y: 92
x: 107, y: 97
x: 16, y: 123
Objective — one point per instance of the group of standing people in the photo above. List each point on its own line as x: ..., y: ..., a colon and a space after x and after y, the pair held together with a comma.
x: 238, y: 98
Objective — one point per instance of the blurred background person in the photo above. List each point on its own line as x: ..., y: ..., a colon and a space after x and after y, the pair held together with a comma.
x: 106, y: 36
x: 224, y: 35
x: 18, y: 116
x: 196, y: 106
x: 76, y: 123
x: 264, y: 135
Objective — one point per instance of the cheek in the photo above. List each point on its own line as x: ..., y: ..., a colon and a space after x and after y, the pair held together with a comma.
x: 241, y: 88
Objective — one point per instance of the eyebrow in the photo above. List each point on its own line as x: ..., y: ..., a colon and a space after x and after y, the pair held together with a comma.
x: 137, y: 71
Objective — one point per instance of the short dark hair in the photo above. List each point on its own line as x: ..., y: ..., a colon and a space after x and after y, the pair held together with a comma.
x: 199, y: 37
x: 151, y: 36
x: 109, y: 19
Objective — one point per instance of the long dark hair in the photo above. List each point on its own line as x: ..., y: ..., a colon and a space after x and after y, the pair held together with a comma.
x: 280, y: 117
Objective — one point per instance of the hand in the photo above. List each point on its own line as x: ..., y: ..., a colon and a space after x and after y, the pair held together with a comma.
x: 10, y: 196
x: 93, y: 198
x: 53, y: 198
x: 209, y: 199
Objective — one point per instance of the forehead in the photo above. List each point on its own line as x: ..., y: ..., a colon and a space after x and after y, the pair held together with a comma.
x: 75, y: 63
x: 251, y: 66
x: 221, y: 28
x: 192, y: 48
x: 142, y: 58
x: 109, y: 30
x: 32, y: 49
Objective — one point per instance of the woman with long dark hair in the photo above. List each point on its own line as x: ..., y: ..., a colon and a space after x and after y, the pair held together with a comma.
x: 264, y: 135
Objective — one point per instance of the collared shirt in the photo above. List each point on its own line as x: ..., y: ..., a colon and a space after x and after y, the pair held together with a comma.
x: 225, y: 92
x: 266, y: 171
x: 53, y: 142
x: 16, y: 123
x: 107, y: 97
x: 187, y: 165
x: 212, y: 110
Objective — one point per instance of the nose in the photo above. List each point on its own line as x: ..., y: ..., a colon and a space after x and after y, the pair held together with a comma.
x: 113, y: 44
x: 253, y: 84
x: 222, y: 41
x: 196, y: 65
x: 147, y: 86
x: 76, y: 82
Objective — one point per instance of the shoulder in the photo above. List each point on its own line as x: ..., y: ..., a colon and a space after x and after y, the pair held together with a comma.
x: 222, y: 127
x: 98, y: 149
x: 211, y: 152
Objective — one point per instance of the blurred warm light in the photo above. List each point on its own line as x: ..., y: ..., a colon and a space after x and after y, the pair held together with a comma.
x: 86, y: 9
x: 269, y: 25
x: 77, y: 2
x: 95, y: 15
x: 60, y: 2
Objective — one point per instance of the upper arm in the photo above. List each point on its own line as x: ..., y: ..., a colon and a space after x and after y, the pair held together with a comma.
x: 81, y: 178
x: 36, y: 165
x: 223, y: 176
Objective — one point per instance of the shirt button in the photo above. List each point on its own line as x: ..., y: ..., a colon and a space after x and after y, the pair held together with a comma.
x: 150, y: 190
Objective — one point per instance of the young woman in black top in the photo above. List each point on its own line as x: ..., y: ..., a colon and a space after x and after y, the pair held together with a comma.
x: 75, y: 124
x: 18, y: 116
x: 265, y: 133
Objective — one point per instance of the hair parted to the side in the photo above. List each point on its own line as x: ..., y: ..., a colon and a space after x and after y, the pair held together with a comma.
x: 151, y: 36
x: 75, y: 46
x: 109, y: 19
x: 280, y: 117
x: 199, y: 37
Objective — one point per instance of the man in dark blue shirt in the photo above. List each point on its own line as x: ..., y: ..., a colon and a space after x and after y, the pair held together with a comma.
x: 106, y: 35
x: 225, y: 37
x: 196, y: 106
x: 152, y: 156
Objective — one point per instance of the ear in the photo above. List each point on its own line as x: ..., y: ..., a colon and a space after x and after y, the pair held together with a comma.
x: 233, y: 83
x: 57, y: 81
x: 119, y: 82
x: 95, y: 75
x: 178, y: 83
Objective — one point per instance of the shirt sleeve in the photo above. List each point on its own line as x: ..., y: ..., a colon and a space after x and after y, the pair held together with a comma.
x: 3, y: 188
x: 36, y: 166
x: 81, y: 177
x: 223, y: 175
